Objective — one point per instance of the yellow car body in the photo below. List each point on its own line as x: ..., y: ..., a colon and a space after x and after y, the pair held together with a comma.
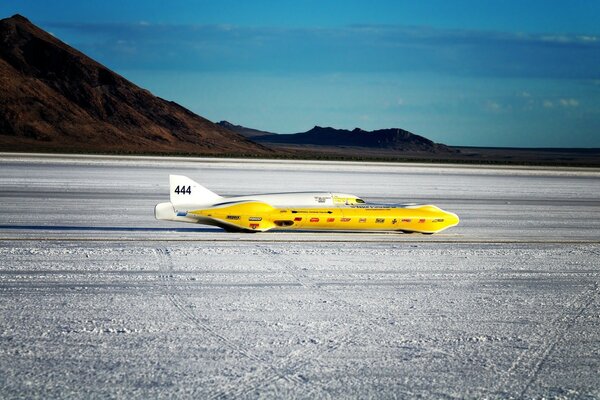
x: 259, y: 216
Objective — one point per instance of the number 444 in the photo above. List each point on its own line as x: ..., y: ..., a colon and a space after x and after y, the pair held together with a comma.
x: 183, y: 190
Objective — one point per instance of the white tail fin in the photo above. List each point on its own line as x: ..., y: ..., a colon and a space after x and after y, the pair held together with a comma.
x: 186, y: 192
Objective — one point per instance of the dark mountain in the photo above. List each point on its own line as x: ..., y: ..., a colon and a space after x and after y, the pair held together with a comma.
x: 54, y: 97
x: 397, y: 140
x: 393, y: 139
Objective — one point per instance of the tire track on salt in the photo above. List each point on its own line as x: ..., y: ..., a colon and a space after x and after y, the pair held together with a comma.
x: 164, y: 257
x: 532, y: 361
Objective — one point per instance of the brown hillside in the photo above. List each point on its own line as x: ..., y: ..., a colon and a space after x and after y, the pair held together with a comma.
x: 54, y: 97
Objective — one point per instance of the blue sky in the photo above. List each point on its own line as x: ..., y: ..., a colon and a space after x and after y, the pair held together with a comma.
x: 474, y: 73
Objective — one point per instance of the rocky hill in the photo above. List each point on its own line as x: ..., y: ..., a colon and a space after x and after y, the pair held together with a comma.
x: 56, y: 98
x: 398, y: 140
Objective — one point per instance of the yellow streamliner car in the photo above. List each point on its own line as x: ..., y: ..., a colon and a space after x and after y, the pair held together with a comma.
x: 314, y: 211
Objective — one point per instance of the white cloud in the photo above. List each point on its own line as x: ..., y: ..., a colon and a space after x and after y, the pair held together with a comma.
x: 565, y: 103
x: 566, y: 39
x: 493, y: 106
x: 569, y: 103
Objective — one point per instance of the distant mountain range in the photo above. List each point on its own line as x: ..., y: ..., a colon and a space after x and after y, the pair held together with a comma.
x: 401, y: 145
x: 395, y: 139
x: 56, y: 98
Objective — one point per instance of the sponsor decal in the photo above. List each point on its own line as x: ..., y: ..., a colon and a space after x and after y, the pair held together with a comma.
x: 362, y: 220
x: 255, y: 219
x: 344, y: 200
x: 181, y: 213
x: 421, y: 220
x: 345, y: 219
x: 379, y: 220
x: 330, y: 219
x: 314, y: 220
x: 254, y: 226
x: 298, y: 219
x: 438, y: 220
x: 394, y: 221
x: 406, y: 220
x: 319, y: 199
x: 234, y: 217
